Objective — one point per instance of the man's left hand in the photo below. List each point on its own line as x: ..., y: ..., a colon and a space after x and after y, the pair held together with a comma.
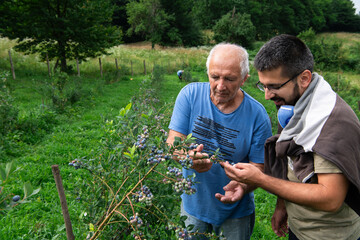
x: 233, y: 192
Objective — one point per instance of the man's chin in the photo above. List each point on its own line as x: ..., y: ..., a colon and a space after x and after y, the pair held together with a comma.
x: 279, y: 103
x: 222, y: 99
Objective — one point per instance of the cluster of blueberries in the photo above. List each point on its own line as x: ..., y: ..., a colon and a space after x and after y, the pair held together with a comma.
x: 186, y: 162
x: 157, y: 156
x: 176, y: 172
x: 141, y: 139
x: 144, y: 194
x: 184, y: 234
x: 75, y: 163
x: 193, y: 146
x: 137, y: 237
x: 136, y: 220
x: 185, y: 185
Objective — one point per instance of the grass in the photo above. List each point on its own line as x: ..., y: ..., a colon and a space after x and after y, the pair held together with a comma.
x: 348, y: 39
x: 78, y: 132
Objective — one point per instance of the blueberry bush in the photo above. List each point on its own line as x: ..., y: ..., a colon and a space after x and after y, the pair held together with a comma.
x: 133, y: 186
x: 9, y: 200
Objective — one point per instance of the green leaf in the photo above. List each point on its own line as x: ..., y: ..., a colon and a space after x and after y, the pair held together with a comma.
x: 145, y: 116
x: 132, y: 150
x: 2, y: 174
x: 127, y: 155
x: 35, y: 192
x: 122, y: 112
x: 190, y: 227
x: 183, y: 218
x: 28, y: 190
x: 9, y: 168
x: 128, y: 107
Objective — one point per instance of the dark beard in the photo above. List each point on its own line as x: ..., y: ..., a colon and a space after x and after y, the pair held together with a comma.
x: 296, y: 95
x: 293, y: 101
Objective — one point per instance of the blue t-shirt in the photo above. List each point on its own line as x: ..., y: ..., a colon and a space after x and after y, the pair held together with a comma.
x: 239, y: 135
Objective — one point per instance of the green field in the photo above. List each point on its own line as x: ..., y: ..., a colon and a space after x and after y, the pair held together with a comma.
x: 46, y: 134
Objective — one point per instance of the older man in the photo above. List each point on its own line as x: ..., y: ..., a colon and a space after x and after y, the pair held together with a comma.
x: 313, y: 166
x: 220, y: 115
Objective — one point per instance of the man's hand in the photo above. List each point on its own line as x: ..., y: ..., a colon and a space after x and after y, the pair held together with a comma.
x: 243, y: 172
x: 233, y: 192
x: 279, y: 219
x: 201, y: 161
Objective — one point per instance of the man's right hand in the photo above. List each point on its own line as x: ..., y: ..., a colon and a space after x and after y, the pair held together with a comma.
x: 279, y: 219
x: 201, y: 161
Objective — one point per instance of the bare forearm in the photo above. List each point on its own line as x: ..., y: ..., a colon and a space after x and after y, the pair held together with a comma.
x: 311, y: 195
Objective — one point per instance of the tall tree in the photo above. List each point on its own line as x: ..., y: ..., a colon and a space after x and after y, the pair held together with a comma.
x: 64, y: 29
x: 184, y: 21
x: 207, y: 12
x: 343, y: 16
x: 149, y: 19
x: 235, y: 28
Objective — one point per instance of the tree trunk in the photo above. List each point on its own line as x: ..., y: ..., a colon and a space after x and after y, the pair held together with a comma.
x: 63, y: 64
x: 62, y: 57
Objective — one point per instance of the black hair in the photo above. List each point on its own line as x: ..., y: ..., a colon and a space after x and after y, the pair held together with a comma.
x: 285, y: 51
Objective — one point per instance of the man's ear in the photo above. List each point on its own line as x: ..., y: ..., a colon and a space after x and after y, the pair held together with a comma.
x: 305, y: 79
x: 245, y: 78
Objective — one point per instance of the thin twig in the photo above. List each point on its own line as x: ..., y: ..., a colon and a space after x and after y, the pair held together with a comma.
x: 107, y: 218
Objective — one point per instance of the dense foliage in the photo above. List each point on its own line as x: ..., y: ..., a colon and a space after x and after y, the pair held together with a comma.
x: 63, y: 30
x: 272, y: 17
x: 235, y: 28
x: 72, y: 29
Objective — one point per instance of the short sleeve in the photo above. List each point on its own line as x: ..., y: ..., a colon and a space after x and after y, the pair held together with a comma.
x: 180, y: 119
x: 322, y: 165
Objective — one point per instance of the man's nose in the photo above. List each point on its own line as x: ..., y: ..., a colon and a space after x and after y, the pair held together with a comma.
x: 221, y: 85
x: 268, y: 94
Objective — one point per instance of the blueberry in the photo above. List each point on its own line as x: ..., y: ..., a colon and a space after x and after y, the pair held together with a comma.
x: 16, y: 198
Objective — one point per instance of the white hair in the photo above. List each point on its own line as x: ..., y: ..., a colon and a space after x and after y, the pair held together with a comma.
x: 243, y: 57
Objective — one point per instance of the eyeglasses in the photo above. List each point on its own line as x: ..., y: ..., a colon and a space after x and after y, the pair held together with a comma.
x: 274, y: 88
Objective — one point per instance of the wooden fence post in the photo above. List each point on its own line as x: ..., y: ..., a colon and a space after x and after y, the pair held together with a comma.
x: 64, y: 208
x: 116, y: 64
x: 48, y: 64
x: 144, y: 68
x: 101, y: 72
x: 77, y: 66
x: 12, y: 65
x: 131, y: 63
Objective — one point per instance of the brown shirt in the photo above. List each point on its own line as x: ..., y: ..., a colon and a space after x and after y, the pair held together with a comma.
x: 309, y: 223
